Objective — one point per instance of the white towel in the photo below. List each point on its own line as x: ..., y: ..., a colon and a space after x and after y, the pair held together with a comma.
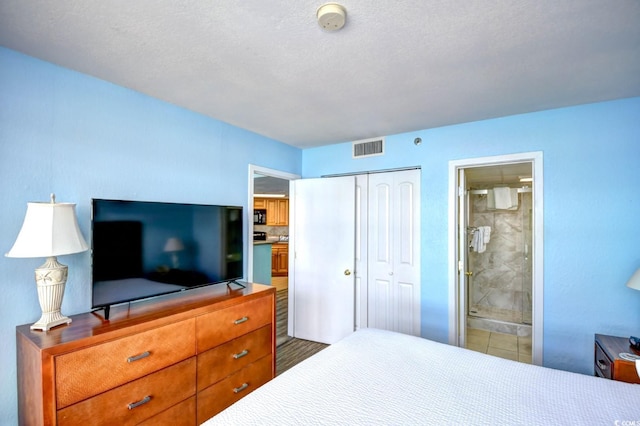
x: 478, y: 243
x: 491, y: 200
x: 638, y: 366
x: 504, y: 198
x: 486, y: 234
x: 514, y: 199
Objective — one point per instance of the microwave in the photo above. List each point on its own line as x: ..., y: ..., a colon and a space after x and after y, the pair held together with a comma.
x: 259, y: 217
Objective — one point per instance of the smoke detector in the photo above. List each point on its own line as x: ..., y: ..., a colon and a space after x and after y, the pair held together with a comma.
x: 331, y: 16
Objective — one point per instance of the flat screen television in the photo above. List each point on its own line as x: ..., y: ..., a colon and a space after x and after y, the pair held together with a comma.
x: 144, y: 249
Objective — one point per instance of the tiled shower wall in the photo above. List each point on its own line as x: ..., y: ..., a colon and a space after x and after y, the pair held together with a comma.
x: 500, y: 287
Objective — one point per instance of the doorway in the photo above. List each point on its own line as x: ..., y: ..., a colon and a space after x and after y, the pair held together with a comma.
x: 268, y: 256
x: 496, y: 257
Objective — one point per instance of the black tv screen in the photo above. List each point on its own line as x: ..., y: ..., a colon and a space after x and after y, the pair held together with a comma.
x: 144, y: 249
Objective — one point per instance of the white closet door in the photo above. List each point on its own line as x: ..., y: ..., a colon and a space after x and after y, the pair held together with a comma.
x: 322, y: 293
x: 361, y: 250
x: 394, y: 251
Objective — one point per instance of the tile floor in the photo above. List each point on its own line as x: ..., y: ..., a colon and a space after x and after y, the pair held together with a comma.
x: 509, y: 346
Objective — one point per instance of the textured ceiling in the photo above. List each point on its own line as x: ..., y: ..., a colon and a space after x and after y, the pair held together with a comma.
x: 395, y: 67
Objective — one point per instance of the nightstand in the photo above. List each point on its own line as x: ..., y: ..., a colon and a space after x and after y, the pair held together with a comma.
x: 608, y: 363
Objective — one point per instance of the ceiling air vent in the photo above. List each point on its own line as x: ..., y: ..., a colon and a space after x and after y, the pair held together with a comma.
x: 368, y: 148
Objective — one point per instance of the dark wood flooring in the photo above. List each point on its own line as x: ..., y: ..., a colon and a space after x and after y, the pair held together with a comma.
x: 290, y: 351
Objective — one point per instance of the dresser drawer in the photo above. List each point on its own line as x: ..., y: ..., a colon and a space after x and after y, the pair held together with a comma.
x: 135, y: 401
x: 603, y: 365
x: 216, y: 398
x: 226, y: 324
x: 182, y: 414
x: 90, y: 371
x: 219, y: 362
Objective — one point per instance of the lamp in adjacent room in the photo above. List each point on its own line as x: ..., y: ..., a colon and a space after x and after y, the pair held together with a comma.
x: 49, y: 230
x: 173, y: 246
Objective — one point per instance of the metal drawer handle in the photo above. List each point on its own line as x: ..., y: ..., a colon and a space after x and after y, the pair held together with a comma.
x: 602, y: 365
x: 137, y: 357
x: 240, y: 388
x: 241, y: 354
x: 139, y: 403
x: 241, y: 320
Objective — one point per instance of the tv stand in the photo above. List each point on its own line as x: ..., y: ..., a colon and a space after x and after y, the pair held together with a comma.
x: 235, y: 282
x: 155, y: 362
x: 107, y: 309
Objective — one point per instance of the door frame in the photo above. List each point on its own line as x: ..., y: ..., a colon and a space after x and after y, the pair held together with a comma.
x: 457, y: 289
x: 266, y: 172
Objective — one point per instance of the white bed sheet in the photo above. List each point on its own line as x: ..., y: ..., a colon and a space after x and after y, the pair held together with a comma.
x: 381, y: 377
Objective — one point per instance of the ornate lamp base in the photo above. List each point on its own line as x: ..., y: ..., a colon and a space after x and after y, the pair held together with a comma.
x: 51, y: 279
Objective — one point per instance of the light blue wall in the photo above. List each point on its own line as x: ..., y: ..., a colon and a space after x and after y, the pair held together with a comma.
x: 80, y: 137
x: 591, y: 213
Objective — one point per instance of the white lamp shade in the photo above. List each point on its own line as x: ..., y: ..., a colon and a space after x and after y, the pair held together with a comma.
x: 49, y: 229
x: 634, y: 281
x: 174, y: 244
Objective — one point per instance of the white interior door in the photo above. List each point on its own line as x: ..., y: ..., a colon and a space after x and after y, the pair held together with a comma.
x: 394, y: 251
x: 323, y: 293
x: 361, y: 251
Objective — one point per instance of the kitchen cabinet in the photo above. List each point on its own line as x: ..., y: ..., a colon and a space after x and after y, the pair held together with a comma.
x: 280, y: 260
x: 278, y: 212
x: 259, y: 203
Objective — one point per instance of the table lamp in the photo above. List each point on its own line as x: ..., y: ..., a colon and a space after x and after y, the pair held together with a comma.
x: 49, y: 230
x: 173, y: 246
x: 634, y: 281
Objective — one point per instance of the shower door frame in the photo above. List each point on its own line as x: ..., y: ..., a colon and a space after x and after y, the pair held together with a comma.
x: 526, y: 219
x: 457, y: 257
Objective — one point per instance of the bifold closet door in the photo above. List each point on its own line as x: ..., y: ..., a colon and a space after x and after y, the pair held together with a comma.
x: 393, y: 255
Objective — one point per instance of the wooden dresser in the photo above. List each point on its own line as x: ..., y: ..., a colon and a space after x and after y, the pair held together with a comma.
x: 175, y: 360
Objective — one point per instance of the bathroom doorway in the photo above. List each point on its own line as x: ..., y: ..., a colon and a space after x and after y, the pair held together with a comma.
x: 496, y: 292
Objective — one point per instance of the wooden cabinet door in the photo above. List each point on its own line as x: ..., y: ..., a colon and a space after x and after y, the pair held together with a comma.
x: 259, y: 203
x: 283, y: 261
x: 272, y: 212
x: 283, y: 212
x: 274, y: 259
x: 280, y: 260
x: 277, y: 212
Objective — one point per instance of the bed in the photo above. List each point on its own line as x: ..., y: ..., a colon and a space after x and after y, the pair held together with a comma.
x: 382, y: 377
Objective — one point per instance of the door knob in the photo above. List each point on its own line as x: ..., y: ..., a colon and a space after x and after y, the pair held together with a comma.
x: 469, y: 273
x: 347, y: 272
